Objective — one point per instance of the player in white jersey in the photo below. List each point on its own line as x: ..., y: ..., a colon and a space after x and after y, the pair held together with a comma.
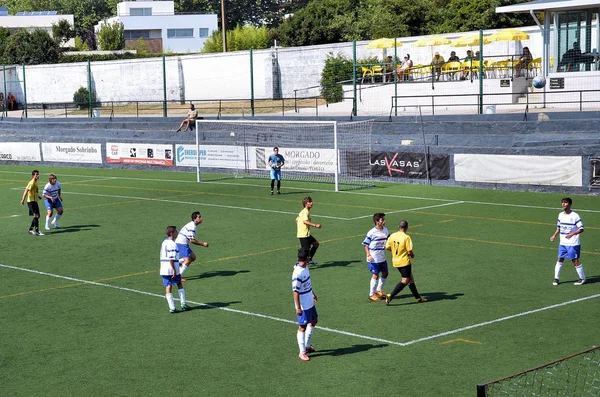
x: 169, y: 270
x: 53, y: 199
x: 570, y: 227
x: 374, y: 244
x: 187, y: 235
x: 304, y: 302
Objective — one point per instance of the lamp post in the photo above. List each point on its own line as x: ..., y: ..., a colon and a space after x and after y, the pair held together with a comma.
x: 223, y: 26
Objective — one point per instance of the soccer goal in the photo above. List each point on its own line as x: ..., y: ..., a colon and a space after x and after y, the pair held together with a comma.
x: 314, y: 151
x: 575, y: 375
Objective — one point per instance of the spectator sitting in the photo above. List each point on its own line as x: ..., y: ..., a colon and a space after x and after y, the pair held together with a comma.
x: 192, y: 115
x: 572, y: 58
x: 404, y: 69
x: 468, y: 58
x: 453, y: 57
x: 389, y: 67
x: 436, y: 65
x: 11, y: 101
x: 523, y: 62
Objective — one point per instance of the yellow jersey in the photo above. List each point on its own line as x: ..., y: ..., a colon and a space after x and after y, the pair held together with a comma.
x: 32, y: 191
x: 400, y: 244
x: 303, y: 229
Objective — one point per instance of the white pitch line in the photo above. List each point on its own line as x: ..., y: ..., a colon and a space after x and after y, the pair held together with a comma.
x: 281, y: 320
x: 409, y: 209
x: 500, y: 320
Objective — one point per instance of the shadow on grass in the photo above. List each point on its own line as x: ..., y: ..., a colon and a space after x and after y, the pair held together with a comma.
x: 342, y: 351
x: 332, y: 264
x: 72, y: 229
x: 212, y: 305
x: 431, y: 297
x: 218, y: 273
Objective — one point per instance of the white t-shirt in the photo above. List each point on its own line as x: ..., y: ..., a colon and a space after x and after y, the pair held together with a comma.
x: 187, y: 232
x: 168, y: 252
x: 375, y: 240
x: 51, y: 190
x: 301, y: 284
x: 568, y: 223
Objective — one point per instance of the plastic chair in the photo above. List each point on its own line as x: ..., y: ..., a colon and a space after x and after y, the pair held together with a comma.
x: 534, y: 66
x: 366, y: 72
x: 377, y: 71
x: 489, y: 69
x: 450, y: 70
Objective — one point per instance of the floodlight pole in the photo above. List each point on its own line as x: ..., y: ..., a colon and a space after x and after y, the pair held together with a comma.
x: 223, y: 26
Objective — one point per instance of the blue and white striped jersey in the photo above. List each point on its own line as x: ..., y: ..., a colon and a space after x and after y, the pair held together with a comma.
x: 168, y: 252
x: 51, y: 190
x: 187, y: 232
x: 568, y: 223
x: 301, y: 284
x: 375, y: 240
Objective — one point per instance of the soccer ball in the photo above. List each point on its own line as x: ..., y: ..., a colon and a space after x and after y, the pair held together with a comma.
x: 539, y: 82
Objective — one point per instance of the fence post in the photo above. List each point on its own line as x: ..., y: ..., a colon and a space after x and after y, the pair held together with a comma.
x: 354, y: 77
x: 5, y: 102
x: 164, y: 85
x: 480, y: 60
x: 89, y: 84
x: 251, y: 83
x: 24, y: 92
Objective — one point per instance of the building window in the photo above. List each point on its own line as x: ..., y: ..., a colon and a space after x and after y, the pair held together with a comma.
x: 136, y: 34
x: 203, y: 32
x: 174, y: 33
x: 140, y: 12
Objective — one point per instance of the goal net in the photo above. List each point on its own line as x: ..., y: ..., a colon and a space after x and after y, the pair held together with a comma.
x: 576, y: 375
x: 314, y: 151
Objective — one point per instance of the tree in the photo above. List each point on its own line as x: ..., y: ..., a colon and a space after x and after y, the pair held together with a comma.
x: 238, y: 39
x: 62, y: 31
x: 111, y: 36
x: 33, y: 48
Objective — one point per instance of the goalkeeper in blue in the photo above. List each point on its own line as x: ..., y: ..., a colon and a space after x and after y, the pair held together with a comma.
x: 276, y: 161
x: 374, y: 244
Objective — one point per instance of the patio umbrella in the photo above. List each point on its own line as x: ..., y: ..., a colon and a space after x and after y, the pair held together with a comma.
x: 470, y: 40
x: 431, y: 41
x: 509, y: 35
x: 384, y: 42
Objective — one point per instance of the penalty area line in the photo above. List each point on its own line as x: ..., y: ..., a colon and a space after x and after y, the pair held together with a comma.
x: 227, y: 309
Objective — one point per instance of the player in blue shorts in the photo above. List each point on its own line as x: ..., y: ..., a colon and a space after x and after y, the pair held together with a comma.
x: 276, y: 161
x: 53, y: 199
x: 304, y: 302
x: 169, y: 270
x: 569, y: 226
x: 374, y: 244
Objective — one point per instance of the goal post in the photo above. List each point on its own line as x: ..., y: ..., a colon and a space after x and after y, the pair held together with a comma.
x: 575, y: 375
x: 314, y: 151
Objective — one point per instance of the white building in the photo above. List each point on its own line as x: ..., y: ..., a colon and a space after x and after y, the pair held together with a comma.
x: 156, y: 23
x: 32, y: 20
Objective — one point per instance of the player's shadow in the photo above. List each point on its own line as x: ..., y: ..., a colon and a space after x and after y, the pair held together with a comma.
x: 332, y: 264
x: 342, y: 351
x: 212, y: 305
x: 294, y: 192
x: 588, y: 280
x: 431, y: 297
x: 217, y: 273
x: 73, y: 228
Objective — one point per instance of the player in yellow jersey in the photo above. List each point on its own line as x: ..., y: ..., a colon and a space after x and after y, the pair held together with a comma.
x: 303, y: 224
x: 32, y: 195
x: 401, y: 246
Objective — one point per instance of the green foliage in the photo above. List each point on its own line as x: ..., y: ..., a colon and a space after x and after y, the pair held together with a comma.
x: 239, y: 39
x: 337, y: 69
x: 111, y: 36
x: 62, y: 31
x: 80, y: 45
x: 81, y: 98
x: 27, y: 48
x: 105, y: 57
x: 243, y: 12
x: 140, y: 46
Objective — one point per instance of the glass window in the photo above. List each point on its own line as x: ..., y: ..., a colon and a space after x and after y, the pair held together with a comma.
x: 137, y: 34
x: 173, y: 33
x: 138, y: 12
x: 203, y: 32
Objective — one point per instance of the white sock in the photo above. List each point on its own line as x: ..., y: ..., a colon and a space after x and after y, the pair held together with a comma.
x: 47, y: 221
x: 372, y: 286
x: 181, y: 292
x: 300, y: 338
x: 171, y: 301
x: 308, y: 335
x: 557, y: 268
x: 182, y: 269
x: 381, y: 284
x: 580, y: 271
x: 56, y: 218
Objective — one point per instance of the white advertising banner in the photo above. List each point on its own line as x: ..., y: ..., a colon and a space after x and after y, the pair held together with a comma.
x: 211, y: 156
x: 256, y: 158
x: 20, y: 151
x: 528, y: 170
x: 139, y: 153
x: 72, y: 152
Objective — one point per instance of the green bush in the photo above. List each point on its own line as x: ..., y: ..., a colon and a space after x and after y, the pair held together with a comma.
x: 336, y: 70
x: 81, y: 97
